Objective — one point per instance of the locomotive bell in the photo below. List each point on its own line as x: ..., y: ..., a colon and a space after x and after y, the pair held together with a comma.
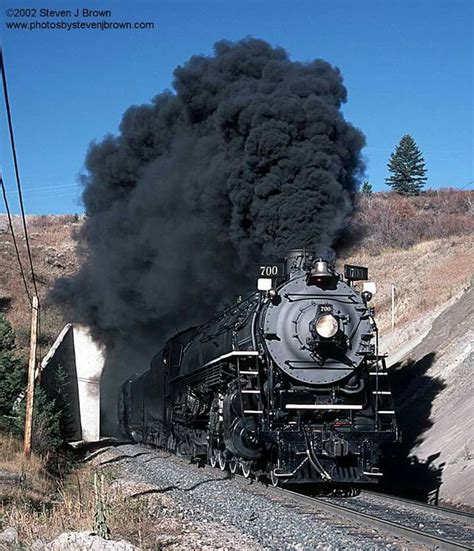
x: 321, y: 269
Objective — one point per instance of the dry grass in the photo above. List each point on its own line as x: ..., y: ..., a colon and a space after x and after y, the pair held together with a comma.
x: 35, y: 484
x: 39, y: 505
x: 423, y: 245
x: 389, y: 221
x: 425, y: 276
x: 54, y: 255
x: 42, y: 507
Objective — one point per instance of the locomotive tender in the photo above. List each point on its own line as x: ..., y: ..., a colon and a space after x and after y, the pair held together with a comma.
x: 287, y: 383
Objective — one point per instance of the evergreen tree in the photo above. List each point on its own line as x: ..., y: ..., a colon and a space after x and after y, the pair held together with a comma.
x: 47, y: 422
x: 407, y: 167
x: 366, y: 188
x: 12, y: 374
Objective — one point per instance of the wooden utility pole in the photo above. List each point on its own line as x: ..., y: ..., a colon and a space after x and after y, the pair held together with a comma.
x: 30, y: 391
x: 393, y: 307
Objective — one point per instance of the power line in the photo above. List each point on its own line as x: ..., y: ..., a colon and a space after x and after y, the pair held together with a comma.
x: 52, y: 187
x: 15, y: 162
x: 48, y: 192
x: 10, y: 222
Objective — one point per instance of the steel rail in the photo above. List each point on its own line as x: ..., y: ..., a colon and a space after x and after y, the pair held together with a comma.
x: 387, y: 526
x: 446, y: 511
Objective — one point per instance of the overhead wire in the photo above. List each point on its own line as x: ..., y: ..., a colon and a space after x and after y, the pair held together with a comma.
x: 15, y: 244
x: 41, y: 193
x: 17, y: 171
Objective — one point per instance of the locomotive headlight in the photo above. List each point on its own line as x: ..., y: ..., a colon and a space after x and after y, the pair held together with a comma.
x: 327, y: 326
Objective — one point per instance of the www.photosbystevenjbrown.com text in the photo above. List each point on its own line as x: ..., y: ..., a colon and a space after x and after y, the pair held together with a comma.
x: 37, y: 19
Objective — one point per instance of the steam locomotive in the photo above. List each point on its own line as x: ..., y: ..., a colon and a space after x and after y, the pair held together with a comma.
x: 287, y: 383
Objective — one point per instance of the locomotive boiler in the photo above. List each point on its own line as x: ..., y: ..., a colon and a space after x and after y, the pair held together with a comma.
x: 288, y: 383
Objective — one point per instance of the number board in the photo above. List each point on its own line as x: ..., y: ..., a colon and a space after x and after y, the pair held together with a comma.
x: 271, y: 270
x: 355, y: 273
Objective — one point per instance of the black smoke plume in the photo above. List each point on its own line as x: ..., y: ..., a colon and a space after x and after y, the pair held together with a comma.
x: 248, y: 157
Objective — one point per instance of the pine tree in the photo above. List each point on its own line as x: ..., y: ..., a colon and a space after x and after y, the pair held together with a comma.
x: 12, y: 374
x: 366, y: 188
x: 407, y: 167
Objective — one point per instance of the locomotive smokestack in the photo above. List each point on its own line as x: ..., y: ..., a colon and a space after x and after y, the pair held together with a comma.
x: 298, y: 260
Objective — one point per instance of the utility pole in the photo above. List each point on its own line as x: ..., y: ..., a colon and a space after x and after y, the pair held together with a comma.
x: 393, y: 307
x: 31, y: 378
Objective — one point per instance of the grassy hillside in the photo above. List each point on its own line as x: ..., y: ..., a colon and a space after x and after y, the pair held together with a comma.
x: 54, y: 255
x: 389, y: 221
x: 422, y: 245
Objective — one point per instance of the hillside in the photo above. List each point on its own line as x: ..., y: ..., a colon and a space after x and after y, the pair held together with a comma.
x: 54, y: 255
x: 423, y: 246
x: 434, y: 391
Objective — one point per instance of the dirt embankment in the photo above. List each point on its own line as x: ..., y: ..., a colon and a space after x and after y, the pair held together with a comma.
x: 432, y: 378
x: 54, y: 255
x: 425, y: 277
x: 430, y: 352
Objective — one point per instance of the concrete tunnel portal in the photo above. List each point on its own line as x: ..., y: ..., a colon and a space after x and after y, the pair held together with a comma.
x: 81, y: 361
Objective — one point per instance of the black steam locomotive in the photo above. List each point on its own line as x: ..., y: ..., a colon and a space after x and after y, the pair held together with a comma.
x: 288, y: 383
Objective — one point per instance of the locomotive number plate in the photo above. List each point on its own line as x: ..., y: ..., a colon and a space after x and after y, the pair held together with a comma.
x: 271, y: 270
x: 355, y: 273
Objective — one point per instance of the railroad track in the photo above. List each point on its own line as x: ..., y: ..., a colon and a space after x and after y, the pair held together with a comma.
x: 446, y: 511
x: 460, y: 538
x: 442, y: 528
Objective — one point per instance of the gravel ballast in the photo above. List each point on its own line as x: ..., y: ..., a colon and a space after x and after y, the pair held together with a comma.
x: 238, y: 514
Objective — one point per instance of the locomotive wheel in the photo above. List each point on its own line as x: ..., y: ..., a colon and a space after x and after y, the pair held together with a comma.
x: 246, y: 468
x: 274, y: 479
x: 213, y: 459
x: 233, y: 465
x: 171, y: 444
x: 222, y: 460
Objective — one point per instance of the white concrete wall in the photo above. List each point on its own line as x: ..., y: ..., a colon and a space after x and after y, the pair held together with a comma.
x: 89, y: 358
x: 83, y: 362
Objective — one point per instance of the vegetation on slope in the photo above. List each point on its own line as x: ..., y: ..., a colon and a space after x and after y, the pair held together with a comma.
x: 384, y: 226
x: 387, y: 221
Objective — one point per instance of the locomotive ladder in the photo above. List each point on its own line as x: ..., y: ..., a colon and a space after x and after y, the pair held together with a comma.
x: 248, y: 384
x: 246, y: 364
x: 383, y: 399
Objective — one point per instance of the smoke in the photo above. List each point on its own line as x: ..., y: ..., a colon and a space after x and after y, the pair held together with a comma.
x: 247, y: 158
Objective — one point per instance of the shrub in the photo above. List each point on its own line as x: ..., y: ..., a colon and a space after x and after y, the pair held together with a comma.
x: 387, y: 220
x: 48, y: 419
x: 46, y: 433
x: 12, y: 373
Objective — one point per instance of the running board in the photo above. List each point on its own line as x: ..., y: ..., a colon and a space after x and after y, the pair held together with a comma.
x: 324, y: 406
x: 234, y: 354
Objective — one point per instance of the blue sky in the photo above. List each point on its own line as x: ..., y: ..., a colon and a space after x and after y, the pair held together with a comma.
x: 407, y: 64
